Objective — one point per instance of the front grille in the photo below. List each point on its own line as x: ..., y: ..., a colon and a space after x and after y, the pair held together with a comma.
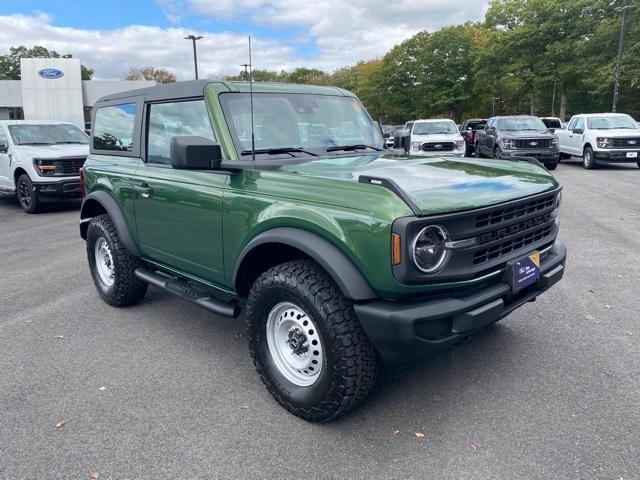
x: 69, y: 166
x: 438, y: 146
x: 533, y: 143
x: 496, y: 217
x: 504, y: 248
x: 632, y: 142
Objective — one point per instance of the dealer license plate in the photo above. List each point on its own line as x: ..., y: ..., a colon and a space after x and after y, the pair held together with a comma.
x: 525, y: 271
x: 632, y: 154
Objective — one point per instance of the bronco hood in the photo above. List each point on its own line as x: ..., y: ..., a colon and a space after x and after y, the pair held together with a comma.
x: 437, y: 184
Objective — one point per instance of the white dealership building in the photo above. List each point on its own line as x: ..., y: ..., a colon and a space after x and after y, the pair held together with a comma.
x: 52, y: 89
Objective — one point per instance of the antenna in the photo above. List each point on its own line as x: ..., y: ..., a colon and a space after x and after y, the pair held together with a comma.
x: 253, y: 138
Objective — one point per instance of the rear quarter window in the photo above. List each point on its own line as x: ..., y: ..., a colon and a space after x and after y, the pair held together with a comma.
x: 114, y: 128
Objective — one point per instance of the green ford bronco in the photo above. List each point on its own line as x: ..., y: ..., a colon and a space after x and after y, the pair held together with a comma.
x: 284, y: 206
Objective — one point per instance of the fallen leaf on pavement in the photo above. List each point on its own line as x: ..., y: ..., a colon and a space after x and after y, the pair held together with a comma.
x: 396, y: 433
x: 94, y: 476
x: 29, y: 321
x: 472, y: 446
x: 608, y: 307
x: 419, y: 435
x: 631, y: 334
x: 60, y: 424
x: 593, y: 318
x: 244, y: 407
x: 591, y: 291
x: 59, y: 337
x: 239, y: 334
x: 103, y: 388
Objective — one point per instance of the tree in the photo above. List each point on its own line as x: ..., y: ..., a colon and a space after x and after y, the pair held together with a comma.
x: 160, y: 75
x: 10, y: 64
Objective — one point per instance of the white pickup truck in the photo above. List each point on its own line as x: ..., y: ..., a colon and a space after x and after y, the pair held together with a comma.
x: 601, y: 138
x: 40, y: 161
x: 435, y: 137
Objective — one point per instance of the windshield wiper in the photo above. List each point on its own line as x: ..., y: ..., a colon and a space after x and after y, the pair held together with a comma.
x: 277, y: 151
x: 349, y: 148
x: 35, y: 143
x: 70, y: 142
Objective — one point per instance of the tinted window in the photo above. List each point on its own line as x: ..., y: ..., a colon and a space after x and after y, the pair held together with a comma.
x: 552, y: 122
x: 579, y: 123
x: 522, y: 124
x: 3, y: 137
x: 114, y: 127
x: 47, y: 134
x: 572, y: 123
x: 168, y: 120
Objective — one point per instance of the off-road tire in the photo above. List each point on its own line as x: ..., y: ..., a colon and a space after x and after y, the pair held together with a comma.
x: 496, y: 152
x: 350, y: 362
x: 127, y: 289
x: 551, y: 166
x: 588, y: 160
x: 27, y: 195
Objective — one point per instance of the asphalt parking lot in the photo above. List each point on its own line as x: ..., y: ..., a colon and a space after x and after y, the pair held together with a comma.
x: 167, y: 390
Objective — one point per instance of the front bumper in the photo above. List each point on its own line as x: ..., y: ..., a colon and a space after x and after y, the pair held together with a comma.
x: 61, y: 190
x: 616, y: 156
x: 405, y: 330
x: 544, y: 156
x: 448, y: 153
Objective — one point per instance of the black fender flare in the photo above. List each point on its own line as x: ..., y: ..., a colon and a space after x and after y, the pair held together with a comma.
x: 327, y: 255
x: 112, y: 207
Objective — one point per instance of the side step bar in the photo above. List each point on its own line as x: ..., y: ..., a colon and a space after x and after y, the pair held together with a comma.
x: 189, y: 292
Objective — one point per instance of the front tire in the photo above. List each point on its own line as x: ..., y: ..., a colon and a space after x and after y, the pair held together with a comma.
x: 306, y: 342
x: 112, y: 267
x: 27, y: 195
x: 477, y: 152
x: 588, y: 160
x: 551, y: 166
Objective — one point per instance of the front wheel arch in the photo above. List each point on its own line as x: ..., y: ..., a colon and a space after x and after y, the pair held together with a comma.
x: 309, y: 245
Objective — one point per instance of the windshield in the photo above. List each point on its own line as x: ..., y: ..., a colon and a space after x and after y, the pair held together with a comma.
x: 434, y: 128
x: 552, y: 122
x: 304, y: 121
x: 608, y: 123
x: 47, y: 134
x: 522, y: 123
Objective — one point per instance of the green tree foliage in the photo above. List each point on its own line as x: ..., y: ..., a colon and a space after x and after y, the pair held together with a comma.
x: 507, y: 64
x: 10, y: 64
x: 160, y: 75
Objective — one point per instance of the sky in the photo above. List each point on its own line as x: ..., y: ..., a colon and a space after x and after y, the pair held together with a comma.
x: 111, y: 36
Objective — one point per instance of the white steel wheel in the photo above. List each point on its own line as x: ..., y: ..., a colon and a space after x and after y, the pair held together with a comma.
x: 104, y: 262
x: 294, y: 344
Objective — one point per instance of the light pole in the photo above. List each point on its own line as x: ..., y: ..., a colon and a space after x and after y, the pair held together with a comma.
x: 246, y: 72
x: 553, y: 99
x: 493, y: 105
x: 616, y: 85
x: 194, y: 39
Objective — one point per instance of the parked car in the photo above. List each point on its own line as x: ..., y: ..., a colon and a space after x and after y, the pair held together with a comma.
x: 435, y: 137
x: 388, y: 132
x: 401, y: 137
x: 468, y: 130
x: 518, y: 136
x: 39, y: 161
x: 601, y: 138
x: 552, y: 123
x: 340, y: 255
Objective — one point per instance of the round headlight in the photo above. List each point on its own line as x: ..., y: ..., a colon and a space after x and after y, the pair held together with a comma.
x: 429, y: 249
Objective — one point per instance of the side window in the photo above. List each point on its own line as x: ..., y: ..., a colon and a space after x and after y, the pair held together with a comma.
x: 168, y: 120
x: 114, y: 126
x: 3, y: 138
x: 579, y: 123
x: 572, y: 123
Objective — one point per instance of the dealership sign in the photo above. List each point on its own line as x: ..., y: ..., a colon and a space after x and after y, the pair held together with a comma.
x: 50, y: 73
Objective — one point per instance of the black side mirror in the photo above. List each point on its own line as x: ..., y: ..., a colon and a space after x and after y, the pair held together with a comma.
x: 578, y: 130
x: 4, y: 148
x: 195, y: 153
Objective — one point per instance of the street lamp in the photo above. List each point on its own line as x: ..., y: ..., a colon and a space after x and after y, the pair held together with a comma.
x: 193, y: 38
x: 616, y: 86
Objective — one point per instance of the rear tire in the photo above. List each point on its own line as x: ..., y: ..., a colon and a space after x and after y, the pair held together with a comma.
x: 307, y: 344
x: 112, y: 267
x: 588, y: 160
x: 27, y: 195
x: 638, y: 164
x: 551, y: 166
x: 496, y: 152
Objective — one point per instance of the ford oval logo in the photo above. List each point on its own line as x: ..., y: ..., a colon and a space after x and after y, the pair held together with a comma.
x: 533, y: 144
x: 632, y: 142
x: 50, y: 73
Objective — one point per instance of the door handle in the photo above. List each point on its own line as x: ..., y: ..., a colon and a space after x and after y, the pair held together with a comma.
x: 144, y: 190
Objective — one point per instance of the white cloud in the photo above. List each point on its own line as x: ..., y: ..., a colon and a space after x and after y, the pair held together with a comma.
x: 342, y: 32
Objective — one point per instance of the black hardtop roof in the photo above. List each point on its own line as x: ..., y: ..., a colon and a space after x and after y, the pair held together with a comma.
x: 195, y: 88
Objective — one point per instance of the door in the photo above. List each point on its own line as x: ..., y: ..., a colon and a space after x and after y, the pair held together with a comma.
x: 486, y: 141
x: 5, y: 161
x: 179, y: 212
x: 576, y: 133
